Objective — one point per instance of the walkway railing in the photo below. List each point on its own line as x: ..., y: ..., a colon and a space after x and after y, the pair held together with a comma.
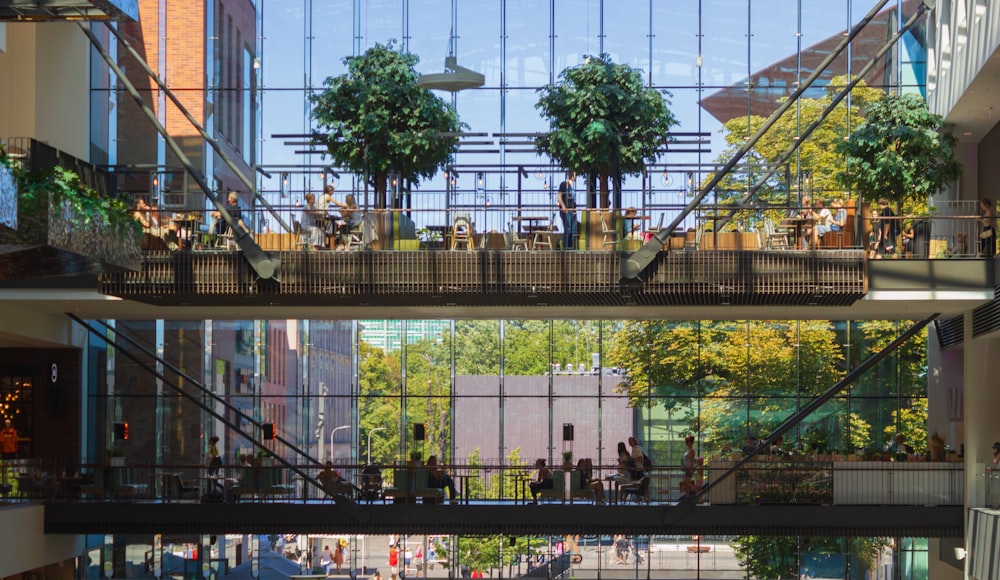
x: 781, y: 481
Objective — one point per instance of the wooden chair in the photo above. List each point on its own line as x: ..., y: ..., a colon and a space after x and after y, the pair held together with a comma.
x: 609, y: 231
x: 461, y: 232
x: 543, y: 237
x: 515, y: 241
x: 776, y: 236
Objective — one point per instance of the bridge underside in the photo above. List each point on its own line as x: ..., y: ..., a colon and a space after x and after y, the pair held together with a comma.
x: 347, y: 517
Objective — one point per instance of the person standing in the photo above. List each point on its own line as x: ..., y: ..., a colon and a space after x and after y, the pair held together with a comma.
x: 995, y: 464
x: 987, y: 237
x: 8, y: 441
x: 338, y: 556
x: 212, y: 456
x: 567, y: 213
x: 889, y: 225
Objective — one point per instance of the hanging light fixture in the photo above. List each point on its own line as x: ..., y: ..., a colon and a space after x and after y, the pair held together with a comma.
x: 454, y: 78
x: 666, y: 179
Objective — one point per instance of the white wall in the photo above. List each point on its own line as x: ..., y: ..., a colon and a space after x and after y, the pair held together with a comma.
x: 44, y: 85
x: 24, y: 544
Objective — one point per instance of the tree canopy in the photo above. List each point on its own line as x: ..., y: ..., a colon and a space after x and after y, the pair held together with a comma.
x: 816, y: 158
x: 900, y: 152
x: 600, y: 117
x: 376, y: 118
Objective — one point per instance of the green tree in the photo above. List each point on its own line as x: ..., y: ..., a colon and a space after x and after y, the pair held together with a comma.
x: 781, y: 557
x: 900, y: 152
x: 378, y: 403
x: 815, y: 160
x: 912, y: 422
x: 379, y: 121
x: 601, y: 118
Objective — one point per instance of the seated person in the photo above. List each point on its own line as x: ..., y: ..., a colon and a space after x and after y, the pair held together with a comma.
x: 438, y: 478
x: 371, y: 482
x: 961, y: 247
x: 585, y: 469
x: 333, y: 482
x: 899, y: 449
x: 350, y: 216
x: 631, y: 225
x: 839, y: 220
x: 776, y: 448
x: 542, y: 480
x: 749, y: 446
x: 219, y: 227
x: 823, y: 219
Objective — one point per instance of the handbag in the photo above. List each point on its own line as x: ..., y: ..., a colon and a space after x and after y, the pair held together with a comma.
x: 986, y: 234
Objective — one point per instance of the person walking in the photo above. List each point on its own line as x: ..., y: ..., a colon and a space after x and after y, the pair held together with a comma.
x: 338, y: 556
x: 393, y: 562
x: 326, y: 559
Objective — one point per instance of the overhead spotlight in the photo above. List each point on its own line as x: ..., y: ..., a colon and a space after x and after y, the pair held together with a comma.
x: 522, y: 170
x: 262, y: 172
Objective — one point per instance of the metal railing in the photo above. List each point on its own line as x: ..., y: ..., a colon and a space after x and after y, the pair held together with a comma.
x: 777, y: 481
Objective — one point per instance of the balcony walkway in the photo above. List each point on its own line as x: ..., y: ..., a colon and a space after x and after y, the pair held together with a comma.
x: 427, y: 284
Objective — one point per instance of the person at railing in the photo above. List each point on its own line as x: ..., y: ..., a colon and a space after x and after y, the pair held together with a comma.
x: 889, y: 226
x: 585, y: 470
x: 874, y: 235
x: 995, y: 464
x: 438, y: 478
x: 898, y: 448
x: 542, y: 480
x: 987, y: 236
x: 567, y: 213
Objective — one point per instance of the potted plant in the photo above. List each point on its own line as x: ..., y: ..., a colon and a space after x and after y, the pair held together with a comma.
x: 567, y: 460
x: 376, y: 120
x: 430, y: 239
x: 416, y: 459
x: 55, y: 208
x: 603, y: 122
x: 902, y: 153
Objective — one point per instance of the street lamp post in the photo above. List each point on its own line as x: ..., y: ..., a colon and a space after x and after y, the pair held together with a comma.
x: 335, y: 429
x: 370, y: 442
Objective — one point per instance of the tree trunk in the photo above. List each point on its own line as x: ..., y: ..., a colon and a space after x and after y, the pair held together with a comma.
x: 605, y: 201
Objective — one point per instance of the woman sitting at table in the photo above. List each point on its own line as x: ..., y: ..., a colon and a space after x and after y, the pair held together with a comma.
x: 625, y: 462
x: 585, y: 468
x: 350, y: 216
x: 438, y: 478
x: 309, y: 223
x: 542, y: 480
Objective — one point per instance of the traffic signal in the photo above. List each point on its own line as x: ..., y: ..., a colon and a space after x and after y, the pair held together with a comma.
x: 270, y: 433
x: 121, y: 431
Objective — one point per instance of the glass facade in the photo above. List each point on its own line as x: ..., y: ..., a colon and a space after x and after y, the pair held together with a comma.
x: 500, y: 392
